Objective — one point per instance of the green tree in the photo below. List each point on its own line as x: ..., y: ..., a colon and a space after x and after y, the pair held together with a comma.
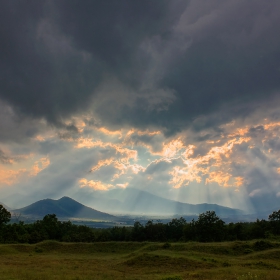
x: 5, y: 215
x: 138, y: 232
x: 274, y: 219
x: 175, y: 229
x: 51, y: 225
x: 275, y: 216
x: 155, y: 231
x: 209, y: 227
x: 189, y: 231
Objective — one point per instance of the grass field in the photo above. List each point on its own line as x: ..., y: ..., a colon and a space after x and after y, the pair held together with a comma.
x: 258, y: 259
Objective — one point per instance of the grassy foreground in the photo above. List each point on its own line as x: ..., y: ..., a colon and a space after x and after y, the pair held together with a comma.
x: 258, y: 259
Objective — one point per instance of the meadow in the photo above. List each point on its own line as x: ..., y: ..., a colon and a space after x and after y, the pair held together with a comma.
x: 256, y: 259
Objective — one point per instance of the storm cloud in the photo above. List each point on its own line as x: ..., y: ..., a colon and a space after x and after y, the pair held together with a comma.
x: 177, y: 60
x: 180, y: 98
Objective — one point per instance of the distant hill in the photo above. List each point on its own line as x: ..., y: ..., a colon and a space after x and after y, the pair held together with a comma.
x: 134, y: 201
x: 5, y: 206
x: 64, y: 207
x: 121, y: 201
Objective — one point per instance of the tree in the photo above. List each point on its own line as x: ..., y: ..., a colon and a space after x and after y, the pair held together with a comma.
x: 209, y: 227
x: 274, y: 219
x: 155, y: 231
x: 51, y: 225
x: 175, y: 229
x: 275, y: 216
x: 5, y: 215
x: 138, y: 232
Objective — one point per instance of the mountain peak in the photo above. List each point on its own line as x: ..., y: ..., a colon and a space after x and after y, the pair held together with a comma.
x: 63, y: 207
x: 67, y: 198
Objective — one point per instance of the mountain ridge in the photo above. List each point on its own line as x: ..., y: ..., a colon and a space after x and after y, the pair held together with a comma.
x: 129, y: 201
x: 134, y: 201
x: 64, y: 207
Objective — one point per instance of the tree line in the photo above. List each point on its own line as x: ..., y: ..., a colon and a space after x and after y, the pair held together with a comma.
x: 207, y: 228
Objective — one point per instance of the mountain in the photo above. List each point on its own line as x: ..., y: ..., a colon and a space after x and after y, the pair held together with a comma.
x: 64, y: 207
x: 133, y: 201
x: 5, y: 206
x: 121, y: 201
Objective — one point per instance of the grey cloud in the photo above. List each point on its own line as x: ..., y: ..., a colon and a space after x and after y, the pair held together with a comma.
x: 39, y: 78
x: 4, y: 158
x: 17, y: 127
x: 11, y: 158
x: 104, y: 174
x: 56, y: 52
x: 274, y: 144
x: 258, y: 154
x: 176, y: 60
x: 256, y: 131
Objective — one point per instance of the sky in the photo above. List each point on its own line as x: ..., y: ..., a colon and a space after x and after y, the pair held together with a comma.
x: 178, y: 98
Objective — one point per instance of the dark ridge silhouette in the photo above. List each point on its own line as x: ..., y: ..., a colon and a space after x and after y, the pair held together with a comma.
x: 64, y: 207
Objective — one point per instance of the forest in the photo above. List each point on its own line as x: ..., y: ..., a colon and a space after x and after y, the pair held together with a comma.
x: 207, y: 228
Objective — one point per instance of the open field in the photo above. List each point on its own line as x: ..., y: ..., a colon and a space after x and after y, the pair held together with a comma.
x: 258, y: 259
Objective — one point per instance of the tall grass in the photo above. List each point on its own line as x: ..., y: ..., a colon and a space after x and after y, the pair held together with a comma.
x: 256, y: 259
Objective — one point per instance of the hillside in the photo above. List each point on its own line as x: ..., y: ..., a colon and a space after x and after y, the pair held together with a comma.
x: 64, y: 207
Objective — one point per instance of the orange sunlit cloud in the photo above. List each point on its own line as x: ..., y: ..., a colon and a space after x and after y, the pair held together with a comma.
x: 196, y: 168
x: 182, y: 177
x: 122, y: 165
x: 239, y: 132
x: 169, y: 149
x: 271, y: 125
x: 213, y: 166
x: 110, y: 132
x: 220, y: 177
x: 17, y: 172
x: 239, y: 181
x: 88, y: 143
x: 39, y: 165
x: 40, y: 138
x: 123, y: 186
x: 10, y: 177
x: 149, y: 133
x: 96, y: 185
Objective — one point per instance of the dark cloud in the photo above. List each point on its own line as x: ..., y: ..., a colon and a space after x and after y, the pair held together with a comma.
x: 55, y: 53
x: 215, y: 71
x: 42, y: 75
x: 177, y: 60
x: 17, y: 127
x: 218, y: 61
